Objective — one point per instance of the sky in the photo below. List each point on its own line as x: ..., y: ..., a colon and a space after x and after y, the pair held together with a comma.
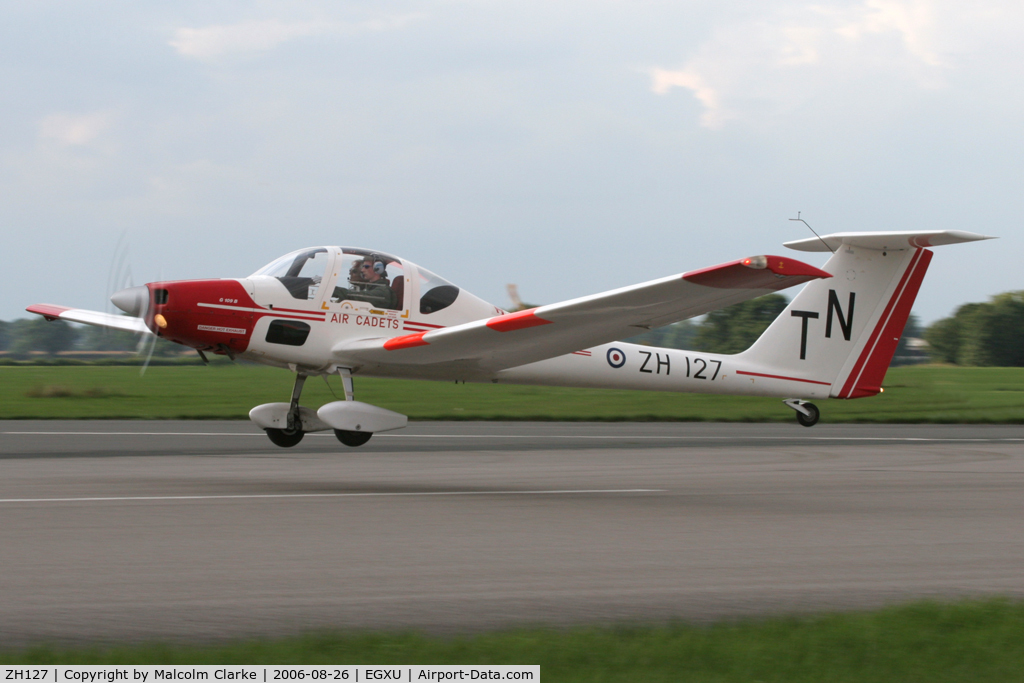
x: 568, y: 147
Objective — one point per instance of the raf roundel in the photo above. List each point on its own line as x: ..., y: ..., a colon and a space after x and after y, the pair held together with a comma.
x: 616, y: 358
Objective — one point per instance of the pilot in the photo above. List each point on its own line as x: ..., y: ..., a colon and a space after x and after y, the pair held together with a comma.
x: 355, y: 273
x: 369, y: 282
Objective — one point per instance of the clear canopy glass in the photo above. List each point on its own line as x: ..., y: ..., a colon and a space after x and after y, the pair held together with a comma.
x: 300, y: 271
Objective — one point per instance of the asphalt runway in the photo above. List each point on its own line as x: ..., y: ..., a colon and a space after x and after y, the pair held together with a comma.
x: 137, y: 530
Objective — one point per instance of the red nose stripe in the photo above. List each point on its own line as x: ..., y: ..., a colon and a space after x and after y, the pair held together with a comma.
x: 405, y: 342
x: 516, y: 321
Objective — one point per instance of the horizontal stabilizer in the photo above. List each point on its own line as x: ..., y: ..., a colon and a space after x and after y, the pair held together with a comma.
x: 887, y: 241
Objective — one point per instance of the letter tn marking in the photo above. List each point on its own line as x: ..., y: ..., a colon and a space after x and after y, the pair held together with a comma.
x: 845, y: 322
x: 803, y: 331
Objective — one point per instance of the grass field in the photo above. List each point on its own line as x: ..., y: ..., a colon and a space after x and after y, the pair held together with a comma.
x: 965, y: 641
x: 228, y: 391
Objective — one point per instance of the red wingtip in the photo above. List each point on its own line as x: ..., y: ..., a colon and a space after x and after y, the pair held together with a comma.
x: 405, y: 342
x: 516, y: 321
x: 758, y: 272
x: 783, y: 265
x: 48, y: 311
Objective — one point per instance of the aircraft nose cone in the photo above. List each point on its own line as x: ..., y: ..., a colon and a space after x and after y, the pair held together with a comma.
x: 134, y: 301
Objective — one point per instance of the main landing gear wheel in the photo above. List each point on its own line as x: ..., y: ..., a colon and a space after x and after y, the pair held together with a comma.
x: 350, y: 438
x: 808, y: 420
x: 285, y: 438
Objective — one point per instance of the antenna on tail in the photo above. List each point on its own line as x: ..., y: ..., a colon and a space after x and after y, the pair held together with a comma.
x: 812, y: 230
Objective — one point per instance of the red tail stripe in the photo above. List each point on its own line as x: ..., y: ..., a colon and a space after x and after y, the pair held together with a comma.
x: 866, y: 351
x: 869, y: 382
x: 865, y: 355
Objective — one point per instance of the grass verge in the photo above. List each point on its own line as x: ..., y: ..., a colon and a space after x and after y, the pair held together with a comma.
x: 228, y: 391
x: 924, y: 641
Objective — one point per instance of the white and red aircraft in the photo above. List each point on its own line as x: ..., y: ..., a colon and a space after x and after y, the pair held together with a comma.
x: 346, y: 311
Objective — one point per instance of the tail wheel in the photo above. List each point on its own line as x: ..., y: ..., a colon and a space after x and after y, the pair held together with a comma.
x: 350, y: 438
x: 285, y: 438
x: 808, y: 420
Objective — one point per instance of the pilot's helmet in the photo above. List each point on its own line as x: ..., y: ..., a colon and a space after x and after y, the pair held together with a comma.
x: 378, y: 264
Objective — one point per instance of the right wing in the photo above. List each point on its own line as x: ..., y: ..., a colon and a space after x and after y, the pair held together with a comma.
x: 80, y: 315
x: 510, y: 340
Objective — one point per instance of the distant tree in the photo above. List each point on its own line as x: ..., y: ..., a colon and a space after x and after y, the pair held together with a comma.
x: 5, y: 339
x: 904, y: 354
x: 734, y: 328
x: 41, y: 335
x: 992, y: 336
x: 912, y: 330
x: 680, y: 335
x: 943, y: 337
x: 981, y: 333
x: 105, y: 339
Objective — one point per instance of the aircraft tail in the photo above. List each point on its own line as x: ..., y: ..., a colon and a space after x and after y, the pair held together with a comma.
x: 843, y: 331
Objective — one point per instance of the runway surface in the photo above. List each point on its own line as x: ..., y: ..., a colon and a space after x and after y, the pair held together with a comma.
x: 199, y: 530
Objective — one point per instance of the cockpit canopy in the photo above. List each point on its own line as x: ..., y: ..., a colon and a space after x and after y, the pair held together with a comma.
x: 300, y: 271
x: 381, y: 280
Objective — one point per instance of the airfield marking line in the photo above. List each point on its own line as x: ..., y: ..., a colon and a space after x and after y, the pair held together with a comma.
x: 99, y: 499
x: 679, y: 437
x: 134, y: 433
x: 693, y: 438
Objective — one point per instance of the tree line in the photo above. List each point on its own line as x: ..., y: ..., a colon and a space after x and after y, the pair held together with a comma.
x: 980, y: 334
x: 990, y: 333
x: 26, y: 337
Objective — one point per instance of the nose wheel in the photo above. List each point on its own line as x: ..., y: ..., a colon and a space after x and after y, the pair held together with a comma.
x: 292, y: 435
x: 807, y: 414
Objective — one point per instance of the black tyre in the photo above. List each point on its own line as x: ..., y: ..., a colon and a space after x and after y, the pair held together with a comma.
x: 285, y: 438
x: 812, y: 419
x: 352, y: 438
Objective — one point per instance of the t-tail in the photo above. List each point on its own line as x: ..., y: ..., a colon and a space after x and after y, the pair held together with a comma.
x: 842, y: 331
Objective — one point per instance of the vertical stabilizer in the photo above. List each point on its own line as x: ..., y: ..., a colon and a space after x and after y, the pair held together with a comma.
x: 843, y: 331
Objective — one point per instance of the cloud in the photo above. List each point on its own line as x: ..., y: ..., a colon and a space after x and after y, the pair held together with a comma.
x: 766, y: 63
x: 71, y: 130
x: 211, y: 42
x: 911, y: 19
x: 799, y: 45
x: 714, y: 115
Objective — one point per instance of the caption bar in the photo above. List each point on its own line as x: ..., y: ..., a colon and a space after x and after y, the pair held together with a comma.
x: 269, y: 674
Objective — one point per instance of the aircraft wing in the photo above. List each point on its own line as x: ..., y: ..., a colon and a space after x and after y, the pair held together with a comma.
x: 80, y: 315
x: 515, y: 339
